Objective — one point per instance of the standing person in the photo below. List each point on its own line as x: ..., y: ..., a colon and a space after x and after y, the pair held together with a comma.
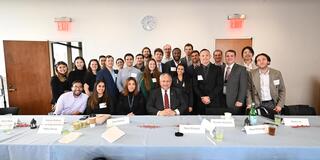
x: 131, y: 101
x: 79, y: 71
x: 150, y: 78
x: 59, y: 83
x: 139, y: 62
x: 247, y: 58
x: 158, y: 54
x: 235, y: 84
x: 171, y: 66
x: 188, y: 48
x: 184, y: 83
x: 146, y: 52
x: 195, y: 63
x: 119, y: 63
x: 90, y: 78
x: 217, y: 56
x: 102, y: 60
x: 208, y: 84
x: 99, y: 102
x: 128, y: 71
x: 167, y: 53
x: 266, y: 87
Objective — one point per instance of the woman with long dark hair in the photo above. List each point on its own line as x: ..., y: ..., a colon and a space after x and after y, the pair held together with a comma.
x: 79, y: 71
x: 150, y: 79
x: 59, y: 83
x: 90, y: 78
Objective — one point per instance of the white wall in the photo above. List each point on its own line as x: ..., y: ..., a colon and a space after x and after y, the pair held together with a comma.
x: 287, y: 30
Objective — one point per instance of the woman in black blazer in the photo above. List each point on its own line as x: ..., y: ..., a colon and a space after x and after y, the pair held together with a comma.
x: 184, y: 83
x: 99, y: 102
x: 59, y: 83
x: 131, y: 101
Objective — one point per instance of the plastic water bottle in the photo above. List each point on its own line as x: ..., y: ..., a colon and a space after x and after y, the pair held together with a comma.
x: 253, y: 115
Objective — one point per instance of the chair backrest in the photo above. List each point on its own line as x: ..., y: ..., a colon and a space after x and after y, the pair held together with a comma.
x: 10, y: 110
x: 298, y: 110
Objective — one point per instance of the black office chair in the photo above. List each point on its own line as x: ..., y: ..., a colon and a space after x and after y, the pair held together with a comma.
x: 99, y: 158
x: 10, y: 110
x: 298, y: 110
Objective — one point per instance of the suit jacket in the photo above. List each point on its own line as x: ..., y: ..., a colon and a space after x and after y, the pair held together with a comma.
x: 163, y: 68
x: 190, y: 71
x: 186, y: 88
x: 277, y: 87
x: 111, y: 85
x: 169, y: 65
x: 236, y: 87
x: 155, y: 101
x: 211, y: 85
x: 185, y: 62
x: 138, y: 107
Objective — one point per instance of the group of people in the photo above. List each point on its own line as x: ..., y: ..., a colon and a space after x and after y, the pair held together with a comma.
x: 165, y: 85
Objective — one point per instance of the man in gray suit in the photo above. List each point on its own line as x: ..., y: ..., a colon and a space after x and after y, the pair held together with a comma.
x: 186, y: 61
x: 266, y: 86
x: 166, y: 100
x: 235, y: 84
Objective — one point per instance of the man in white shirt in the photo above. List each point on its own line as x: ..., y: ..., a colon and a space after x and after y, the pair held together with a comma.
x: 73, y: 102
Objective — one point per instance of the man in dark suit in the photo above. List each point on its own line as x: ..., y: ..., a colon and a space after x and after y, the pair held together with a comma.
x: 186, y: 61
x: 166, y: 100
x: 158, y: 55
x: 195, y: 63
x: 171, y: 66
x: 235, y: 84
x: 208, y: 84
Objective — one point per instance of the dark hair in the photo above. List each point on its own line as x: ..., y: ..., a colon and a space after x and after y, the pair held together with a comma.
x: 147, y: 75
x: 218, y: 50
x: 93, y: 60
x: 176, y: 49
x: 139, y: 55
x: 59, y: 75
x: 76, y: 81
x: 158, y: 50
x: 148, y: 50
x: 102, y: 56
x: 120, y: 59
x: 93, y: 100
x: 262, y: 54
x: 188, y: 45
x: 232, y: 51
x: 128, y: 54
x: 202, y: 50
x: 125, y: 91
x: 109, y: 56
x: 249, y: 48
x: 195, y: 51
x: 84, y: 63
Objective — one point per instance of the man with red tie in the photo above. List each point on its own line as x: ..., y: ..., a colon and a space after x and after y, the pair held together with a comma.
x: 166, y: 100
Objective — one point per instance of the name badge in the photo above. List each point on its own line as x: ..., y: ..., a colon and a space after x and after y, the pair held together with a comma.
x: 173, y: 69
x: 200, y: 78
x: 53, y: 120
x: 296, y: 121
x: 223, y: 122
x: 118, y: 121
x: 276, y: 82
x: 154, y: 80
x: 134, y: 75
x: 257, y: 129
x: 50, y: 129
x: 191, y: 129
x: 6, y: 123
x: 102, y: 105
x: 224, y: 89
x: 208, y: 125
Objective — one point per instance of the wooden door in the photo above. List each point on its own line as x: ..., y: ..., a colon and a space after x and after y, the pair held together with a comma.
x: 28, y: 75
x: 235, y: 44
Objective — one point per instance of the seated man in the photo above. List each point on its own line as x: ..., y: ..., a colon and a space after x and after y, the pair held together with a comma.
x: 73, y: 102
x: 166, y: 100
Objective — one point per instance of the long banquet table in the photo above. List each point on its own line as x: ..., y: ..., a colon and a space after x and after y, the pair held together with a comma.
x: 160, y: 143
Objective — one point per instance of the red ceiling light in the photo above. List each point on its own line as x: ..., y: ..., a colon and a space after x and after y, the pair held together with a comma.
x: 236, y: 21
x: 63, y: 23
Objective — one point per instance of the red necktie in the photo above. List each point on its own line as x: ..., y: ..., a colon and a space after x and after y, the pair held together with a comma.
x: 166, y: 100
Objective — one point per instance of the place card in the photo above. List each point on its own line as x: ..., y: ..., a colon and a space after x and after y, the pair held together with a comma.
x: 257, y: 129
x: 112, y: 134
x: 53, y: 120
x: 117, y: 121
x: 208, y: 125
x: 229, y: 122
x: 296, y: 121
x: 191, y: 129
x: 50, y: 129
x: 6, y: 123
x: 70, y: 137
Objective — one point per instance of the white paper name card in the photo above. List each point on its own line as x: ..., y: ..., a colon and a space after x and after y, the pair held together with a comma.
x: 257, y: 129
x: 191, y: 129
x: 50, y: 129
x: 53, y: 120
x: 296, y: 121
x: 6, y: 123
x: 118, y: 121
x: 208, y: 125
x: 112, y: 134
x: 223, y: 122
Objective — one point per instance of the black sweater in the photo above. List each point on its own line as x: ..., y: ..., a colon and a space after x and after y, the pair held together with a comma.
x: 57, y: 88
x: 138, y: 107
